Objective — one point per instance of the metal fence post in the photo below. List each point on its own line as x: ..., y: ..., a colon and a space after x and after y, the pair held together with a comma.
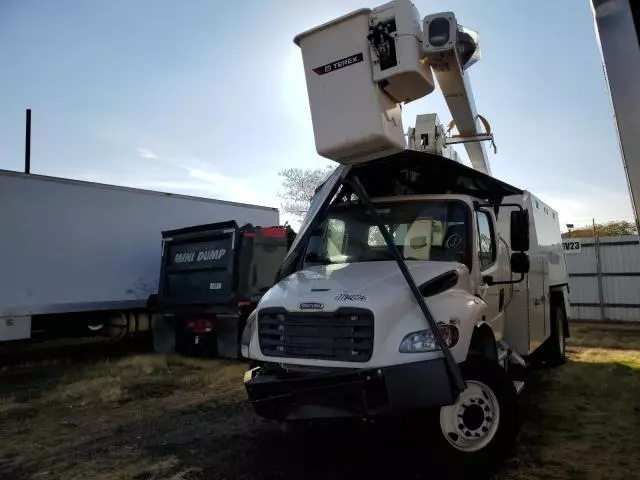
x: 599, y: 271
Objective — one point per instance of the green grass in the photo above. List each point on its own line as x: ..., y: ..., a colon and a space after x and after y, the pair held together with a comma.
x: 156, y: 417
x: 582, y: 420
x: 55, y: 418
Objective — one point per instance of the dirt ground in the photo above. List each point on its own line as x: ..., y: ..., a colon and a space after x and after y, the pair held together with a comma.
x: 115, y: 413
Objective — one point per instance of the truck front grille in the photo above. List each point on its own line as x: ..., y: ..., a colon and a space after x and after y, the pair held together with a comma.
x: 344, y: 335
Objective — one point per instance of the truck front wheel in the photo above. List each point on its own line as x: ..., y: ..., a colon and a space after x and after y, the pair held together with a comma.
x: 479, y: 431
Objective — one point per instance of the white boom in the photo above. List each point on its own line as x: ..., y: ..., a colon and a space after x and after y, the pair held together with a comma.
x: 362, y: 66
x: 451, y: 49
x: 618, y: 30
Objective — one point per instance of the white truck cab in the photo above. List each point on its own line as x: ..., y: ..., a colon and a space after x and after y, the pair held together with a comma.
x: 415, y: 282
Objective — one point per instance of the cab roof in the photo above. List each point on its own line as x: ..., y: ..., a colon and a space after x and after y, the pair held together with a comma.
x: 419, y: 173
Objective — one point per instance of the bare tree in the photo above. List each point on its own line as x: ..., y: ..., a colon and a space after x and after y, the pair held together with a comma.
x: 299, y: 186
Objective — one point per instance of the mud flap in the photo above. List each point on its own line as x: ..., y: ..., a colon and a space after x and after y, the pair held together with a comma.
x: 164, y: 334
x: 428, y: 383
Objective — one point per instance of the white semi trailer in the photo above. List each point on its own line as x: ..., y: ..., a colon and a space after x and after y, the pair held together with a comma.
x: 75, y: 254
x: 415, y: 283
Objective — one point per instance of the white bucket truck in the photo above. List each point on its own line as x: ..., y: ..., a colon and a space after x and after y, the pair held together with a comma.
x: 415, y: 282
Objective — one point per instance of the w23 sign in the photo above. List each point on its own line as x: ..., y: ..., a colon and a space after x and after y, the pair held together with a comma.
x: 571, y: 246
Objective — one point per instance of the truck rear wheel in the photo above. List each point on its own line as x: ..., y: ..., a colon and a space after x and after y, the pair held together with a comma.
x: 554, y: 353
x: 479, y: 431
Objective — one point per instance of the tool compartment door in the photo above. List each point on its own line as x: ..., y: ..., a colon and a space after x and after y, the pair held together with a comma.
x: 538, y: 302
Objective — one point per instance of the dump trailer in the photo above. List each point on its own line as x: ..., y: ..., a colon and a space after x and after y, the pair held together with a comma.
x: 212, y: 278
x: 416, y: 285
x: 79, y: 256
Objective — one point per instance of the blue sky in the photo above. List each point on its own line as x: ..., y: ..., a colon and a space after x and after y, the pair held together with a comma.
x: 208, y: 98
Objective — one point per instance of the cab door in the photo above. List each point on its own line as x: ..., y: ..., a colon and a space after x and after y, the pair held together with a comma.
x: 492, y: 254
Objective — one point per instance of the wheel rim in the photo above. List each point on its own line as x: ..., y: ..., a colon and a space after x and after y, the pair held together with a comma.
x: 472, y: 422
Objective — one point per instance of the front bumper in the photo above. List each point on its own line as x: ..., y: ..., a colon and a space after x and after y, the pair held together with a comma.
x: 283, y: 394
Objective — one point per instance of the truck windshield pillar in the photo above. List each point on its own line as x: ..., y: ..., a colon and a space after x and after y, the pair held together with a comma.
x: 452, y: 366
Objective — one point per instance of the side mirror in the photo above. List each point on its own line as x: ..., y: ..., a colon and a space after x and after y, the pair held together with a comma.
x: 520, y: 263
x: 418, y: 242
x: 520, y: 231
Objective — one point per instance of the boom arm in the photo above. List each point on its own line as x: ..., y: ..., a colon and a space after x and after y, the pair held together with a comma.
x: 451, y: 49
x: 460, y: 101
x: 618, y: 29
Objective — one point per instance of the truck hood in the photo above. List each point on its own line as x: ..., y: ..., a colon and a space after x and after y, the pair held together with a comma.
x: 380, y: 288
x: 359, y: 284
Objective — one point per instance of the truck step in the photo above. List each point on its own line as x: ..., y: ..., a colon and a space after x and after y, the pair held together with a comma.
x: 517, y: 359
x: 519, y: 386
x: 505, y: 350
x: 502, y: 355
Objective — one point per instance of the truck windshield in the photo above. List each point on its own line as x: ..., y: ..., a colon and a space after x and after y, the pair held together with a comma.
x: 436, y: 230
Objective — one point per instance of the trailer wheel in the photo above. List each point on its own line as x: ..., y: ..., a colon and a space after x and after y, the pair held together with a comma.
x: 117, y: 326
x: 479, y: 431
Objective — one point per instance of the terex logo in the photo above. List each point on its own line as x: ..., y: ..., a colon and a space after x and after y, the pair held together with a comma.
x: 202, y: 256
x: 338, y: 64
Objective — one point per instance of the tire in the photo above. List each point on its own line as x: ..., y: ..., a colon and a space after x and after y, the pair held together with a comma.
x: 477, y: 433
x: 117, y: 326
x: 554, y: 353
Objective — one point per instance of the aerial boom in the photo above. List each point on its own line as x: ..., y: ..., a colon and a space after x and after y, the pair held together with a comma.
x: 361, y: 67
x: 618, y: 29
x: 451, y: 49
x: 463, y: 111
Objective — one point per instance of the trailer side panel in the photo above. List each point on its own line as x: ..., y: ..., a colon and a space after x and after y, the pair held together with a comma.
x: 74, y: 246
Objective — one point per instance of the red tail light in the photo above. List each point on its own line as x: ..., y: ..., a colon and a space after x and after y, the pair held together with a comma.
x: 200, y: 325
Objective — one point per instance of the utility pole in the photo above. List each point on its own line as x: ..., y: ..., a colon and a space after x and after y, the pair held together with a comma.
x: 598, y: 270
x: 27, y: 143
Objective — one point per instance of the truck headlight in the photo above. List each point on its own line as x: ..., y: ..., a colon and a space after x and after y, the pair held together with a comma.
x: 248, y: 332
x: 425, y: 340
